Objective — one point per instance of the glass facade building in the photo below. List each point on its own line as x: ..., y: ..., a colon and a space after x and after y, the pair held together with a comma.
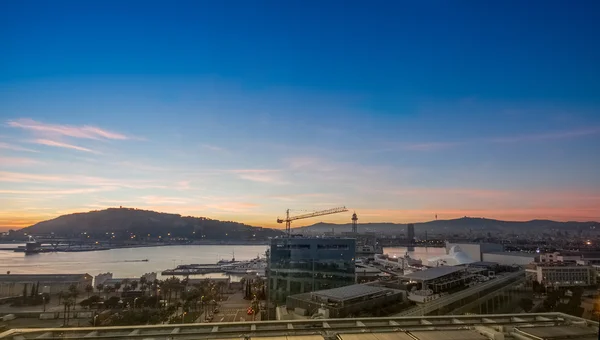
x: 300, y: 265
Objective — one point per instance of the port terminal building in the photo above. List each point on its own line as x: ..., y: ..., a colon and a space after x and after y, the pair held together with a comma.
x: 14, y: 284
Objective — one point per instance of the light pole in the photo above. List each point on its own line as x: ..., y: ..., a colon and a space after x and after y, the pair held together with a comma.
x: 134, y: 300
x: 95, y: 318
x: 202, y: 307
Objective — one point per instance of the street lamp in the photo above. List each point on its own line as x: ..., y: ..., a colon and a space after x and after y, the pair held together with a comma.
x: 134, y: 300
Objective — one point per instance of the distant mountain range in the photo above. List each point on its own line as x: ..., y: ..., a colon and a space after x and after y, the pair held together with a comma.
x: 144, y: 222
x: 458, y: 225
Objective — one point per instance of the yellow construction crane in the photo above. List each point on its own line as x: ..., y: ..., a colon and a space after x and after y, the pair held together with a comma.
x: 288, y: 220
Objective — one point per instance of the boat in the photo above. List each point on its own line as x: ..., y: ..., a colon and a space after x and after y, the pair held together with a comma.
x: 224, y: 262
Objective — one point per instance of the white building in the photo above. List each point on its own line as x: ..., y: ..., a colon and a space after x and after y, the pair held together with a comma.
x: 564, y: 275
x: 475, y: 250
x: 100, y: 279
x: 510, y: 258
x: 558, y: 257
x: 455, y: 257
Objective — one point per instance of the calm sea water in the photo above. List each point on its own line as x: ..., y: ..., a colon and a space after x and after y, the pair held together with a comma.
x: 117, y: 261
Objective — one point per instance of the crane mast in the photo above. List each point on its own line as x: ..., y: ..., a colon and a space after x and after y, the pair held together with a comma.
x: 288, y: 219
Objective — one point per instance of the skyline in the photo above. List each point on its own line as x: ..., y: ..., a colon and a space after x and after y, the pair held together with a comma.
x: 399, y: 111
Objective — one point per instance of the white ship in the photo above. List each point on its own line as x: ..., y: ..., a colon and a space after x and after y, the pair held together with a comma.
x: 244, y: 267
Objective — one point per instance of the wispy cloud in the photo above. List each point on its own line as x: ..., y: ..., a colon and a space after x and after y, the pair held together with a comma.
x: 260, y: 175
x: 85, y: 131
x: 62, y: 145
x: 13, y: 147
x: 431, y: 146
x: 164, y: 200
x: 546, y: 136
x: 56, y: 191
x: 531, y: 137
x: 233, y: 206
x: 16, y: 161
x: 17, y: 177
x: 214, y: 148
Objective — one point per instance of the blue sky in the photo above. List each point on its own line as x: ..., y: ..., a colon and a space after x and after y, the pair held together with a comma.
x: 241, y: 109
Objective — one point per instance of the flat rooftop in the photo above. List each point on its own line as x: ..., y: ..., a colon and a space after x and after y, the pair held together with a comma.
x: 531, y: 326
x: 349, y: 292
x: 513, y: 253
x: 432, y: 273
x: 43, y: 277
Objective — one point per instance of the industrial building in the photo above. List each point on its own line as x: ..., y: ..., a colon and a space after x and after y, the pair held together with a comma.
x: 14, y: 284
x: 299, y: 265
x: 507, y: 258
x: 344, y: 301
x: 475, y: 250
x: 524, y: 326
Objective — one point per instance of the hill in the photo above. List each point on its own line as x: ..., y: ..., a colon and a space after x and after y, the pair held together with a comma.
x: 144, y: 222
x: 458, y: 225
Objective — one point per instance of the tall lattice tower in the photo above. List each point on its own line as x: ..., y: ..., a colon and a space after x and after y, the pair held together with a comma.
x: 354, y: 223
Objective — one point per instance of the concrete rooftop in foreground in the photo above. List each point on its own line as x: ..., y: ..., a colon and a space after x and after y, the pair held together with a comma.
x: 550, y: 326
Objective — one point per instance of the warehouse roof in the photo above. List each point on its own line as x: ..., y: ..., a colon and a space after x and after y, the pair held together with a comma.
x: 349, y: 292
x: 513, y: 253
x: 43, y: 277
x: 433, y: 273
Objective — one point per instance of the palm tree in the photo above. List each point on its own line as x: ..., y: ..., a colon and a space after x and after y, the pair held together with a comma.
x: 100, y: 288
x: 73, y: 293
x: 61, y: 294
x: 134, y: 285
x: 117, y: 286
x: 88, y: 290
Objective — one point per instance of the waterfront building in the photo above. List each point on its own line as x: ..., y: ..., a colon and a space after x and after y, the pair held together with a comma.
x: 15, y: 284
x: 475, y: 250
x: 300, y: 265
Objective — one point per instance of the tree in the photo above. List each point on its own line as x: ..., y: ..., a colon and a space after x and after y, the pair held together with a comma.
x: 89, y: 289
x: 134, y: 285
x: 526, y: 304
x: 73, y: 292
x: 61, y: 295
x: 117, y: 286
x: 100, y: 288
x: 32, y: 290
x: 85, y: 303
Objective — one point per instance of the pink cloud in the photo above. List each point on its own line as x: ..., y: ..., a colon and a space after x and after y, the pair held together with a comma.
x: 86, y: 132
x: 62, y: 145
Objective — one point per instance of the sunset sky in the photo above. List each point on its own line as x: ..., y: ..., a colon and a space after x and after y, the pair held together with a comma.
x: 238, y: 110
